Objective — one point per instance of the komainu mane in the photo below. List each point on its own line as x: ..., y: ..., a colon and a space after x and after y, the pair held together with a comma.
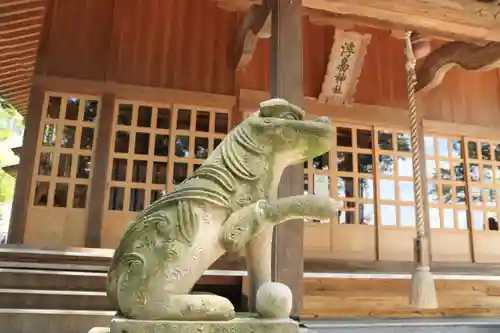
x: 228, y: 204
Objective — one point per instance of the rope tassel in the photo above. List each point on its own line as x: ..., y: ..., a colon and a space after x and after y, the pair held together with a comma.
x: 423, y: 290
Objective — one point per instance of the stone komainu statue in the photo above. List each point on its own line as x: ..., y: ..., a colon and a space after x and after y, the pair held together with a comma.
x: 227, y: 204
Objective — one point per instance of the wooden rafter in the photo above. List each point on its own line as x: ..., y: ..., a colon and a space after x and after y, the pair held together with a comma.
x: 466, y: 55
x: 20, y: 26
x: 257, y: 24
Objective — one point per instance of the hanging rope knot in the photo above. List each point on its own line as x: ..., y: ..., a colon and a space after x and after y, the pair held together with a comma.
x: 411, y: 61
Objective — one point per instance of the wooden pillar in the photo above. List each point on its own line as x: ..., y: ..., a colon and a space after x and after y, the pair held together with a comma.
x: 98, y: 187
x: 27, y: 166
x: 287, y: 83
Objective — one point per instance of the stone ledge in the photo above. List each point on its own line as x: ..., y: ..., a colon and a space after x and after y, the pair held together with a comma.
x: 241, y: 324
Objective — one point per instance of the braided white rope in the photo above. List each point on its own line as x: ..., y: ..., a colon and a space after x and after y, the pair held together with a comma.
x: 414, y: 133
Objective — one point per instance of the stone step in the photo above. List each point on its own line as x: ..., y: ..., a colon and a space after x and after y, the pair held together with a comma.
x: 414, y: 325
x: 14, y: 278
x: 71, y: 321
x: 53, y: 299
x: 79, y: 259
x: 52, y: 321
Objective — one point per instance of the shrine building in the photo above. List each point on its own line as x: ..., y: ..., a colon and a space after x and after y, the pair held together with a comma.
x: 125, y: 99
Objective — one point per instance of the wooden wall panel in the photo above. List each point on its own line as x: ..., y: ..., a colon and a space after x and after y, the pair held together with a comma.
x: 173, y: 44
x: 75, y: 39
x: 256, y: 76
x: 165, y: 43
x: 465, y: 97
x: 317, y: 41
x: 383, y: 79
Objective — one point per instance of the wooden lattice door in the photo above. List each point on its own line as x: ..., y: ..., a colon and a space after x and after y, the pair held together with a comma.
x: 60, y: 190
x: 154, y: 148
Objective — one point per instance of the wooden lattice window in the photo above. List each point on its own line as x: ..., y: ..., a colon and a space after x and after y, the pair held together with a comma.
x: 317, y: 177
x: 483, y: 170
x: 446, y: 182
x: 395, y: 195
x: 354, y: 174
x: 350, y: 180
x: 155, y: 148
x: 64, y: 152
x: 197, y: 133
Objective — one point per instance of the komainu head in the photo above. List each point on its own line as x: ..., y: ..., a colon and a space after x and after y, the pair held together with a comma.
x: 281, y: 126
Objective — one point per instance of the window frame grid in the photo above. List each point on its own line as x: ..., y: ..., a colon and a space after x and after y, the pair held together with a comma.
x: 172, y: 132
x: 75, y: 152
x: 481, y: 184
x: 395, y: 154
x: 439, y: 182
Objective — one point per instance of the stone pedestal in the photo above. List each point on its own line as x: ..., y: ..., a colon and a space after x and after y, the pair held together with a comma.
x: 242, y: 324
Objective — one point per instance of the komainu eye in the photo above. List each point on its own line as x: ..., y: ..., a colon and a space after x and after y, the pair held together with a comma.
x: 288, y: 134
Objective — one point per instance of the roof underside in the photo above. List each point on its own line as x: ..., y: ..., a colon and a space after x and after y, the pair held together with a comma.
x: 20, y: 27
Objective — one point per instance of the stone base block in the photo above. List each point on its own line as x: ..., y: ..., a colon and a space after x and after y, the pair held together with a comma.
x: 243, y: 324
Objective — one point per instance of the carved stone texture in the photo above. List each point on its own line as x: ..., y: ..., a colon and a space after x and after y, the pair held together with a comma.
x: 227, y: 204
x: 466, y: 55
x: 238, y: 325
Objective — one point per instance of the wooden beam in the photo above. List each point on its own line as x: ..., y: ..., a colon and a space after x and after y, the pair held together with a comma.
x: 361, y: 114
x: 255, y: 25
x: 287, y: 83
x: 134, y: 92
x: 462, y: 19
x: 353, y: 22
x: 326, y: 266
x: 466, y: 55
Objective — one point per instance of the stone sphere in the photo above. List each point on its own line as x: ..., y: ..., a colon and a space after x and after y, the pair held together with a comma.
x: 274, y: 300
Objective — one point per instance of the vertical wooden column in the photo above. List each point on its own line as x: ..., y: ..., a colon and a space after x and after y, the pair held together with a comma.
x: 100, y: 161
x: 27, y: 166
x: 468, y: 201
x: 287, y: 83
